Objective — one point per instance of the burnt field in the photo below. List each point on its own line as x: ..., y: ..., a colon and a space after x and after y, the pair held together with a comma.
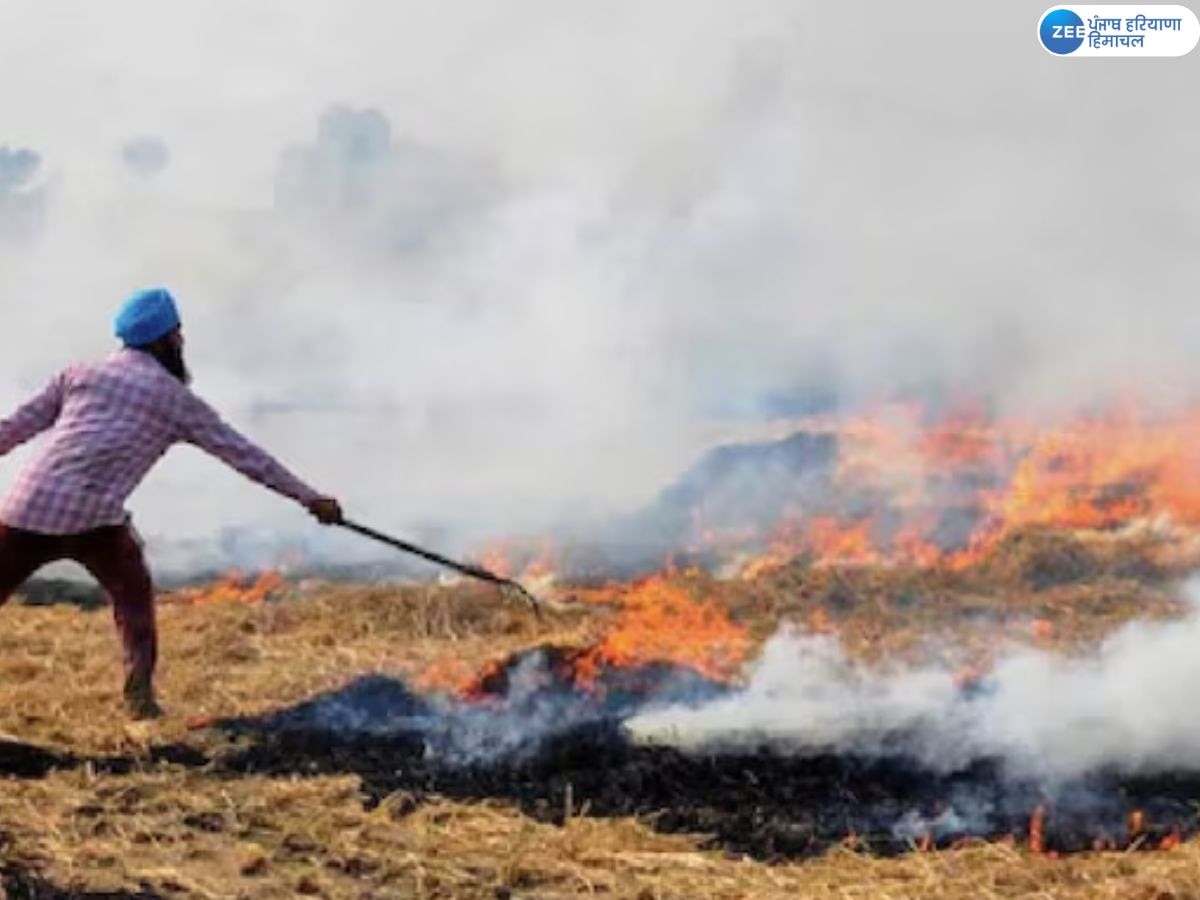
x: 437, y: 741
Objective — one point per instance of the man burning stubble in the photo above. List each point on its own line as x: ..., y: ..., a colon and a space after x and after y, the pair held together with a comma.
x: 108, y: 423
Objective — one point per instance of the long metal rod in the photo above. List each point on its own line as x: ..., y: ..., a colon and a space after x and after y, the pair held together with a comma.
x: 471, y: 571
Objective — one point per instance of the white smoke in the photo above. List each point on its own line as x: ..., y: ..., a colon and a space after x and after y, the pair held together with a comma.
x: 1126, y: 706
x: 498, y: 265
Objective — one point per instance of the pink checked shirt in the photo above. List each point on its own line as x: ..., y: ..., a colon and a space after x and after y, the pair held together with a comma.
x: 109, y: 423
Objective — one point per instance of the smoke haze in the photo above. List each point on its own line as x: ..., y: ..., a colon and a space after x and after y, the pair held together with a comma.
x: 497, y: 266
x: 1123, y: 707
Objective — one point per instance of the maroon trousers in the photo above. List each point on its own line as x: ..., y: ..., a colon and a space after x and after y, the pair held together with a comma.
x: 114, y: 558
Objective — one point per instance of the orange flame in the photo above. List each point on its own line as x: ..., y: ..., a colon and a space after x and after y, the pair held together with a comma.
x: 1042, y: 630
x: 847, y: 543
x: 659, y: 622
x: 523, y: 560
x: 1037, y: 826
x: 909, y: 490
x: 234, y: 587
x: 1099, y: 473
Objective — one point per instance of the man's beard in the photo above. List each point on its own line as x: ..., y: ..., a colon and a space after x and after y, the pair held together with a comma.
x: 171, y: 357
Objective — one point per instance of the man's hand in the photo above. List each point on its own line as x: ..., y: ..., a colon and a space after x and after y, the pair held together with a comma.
x: 327, y: 510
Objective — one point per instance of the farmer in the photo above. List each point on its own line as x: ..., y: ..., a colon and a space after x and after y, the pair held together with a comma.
x: 109, y: 422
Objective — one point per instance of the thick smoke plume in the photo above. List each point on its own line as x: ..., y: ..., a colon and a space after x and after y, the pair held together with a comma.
x: 1124, y: 707
x: 492, y: 267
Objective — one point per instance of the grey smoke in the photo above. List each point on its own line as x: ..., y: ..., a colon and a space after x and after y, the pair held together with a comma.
x: 517, y: 728
x: 974, y: 818
x: 1124, y: 707
x: 367, y: 190
x: 536, y: 707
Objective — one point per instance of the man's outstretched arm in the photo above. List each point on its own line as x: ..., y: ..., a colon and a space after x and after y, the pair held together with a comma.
x: 34, y: 416
x: 203, y: 427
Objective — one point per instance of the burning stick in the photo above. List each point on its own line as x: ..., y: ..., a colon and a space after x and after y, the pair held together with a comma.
x: 470, y: 571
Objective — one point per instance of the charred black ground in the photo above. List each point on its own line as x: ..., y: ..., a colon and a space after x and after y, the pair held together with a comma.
x: 764, y: 803
x: 20, y: 884
x: 761, y: 804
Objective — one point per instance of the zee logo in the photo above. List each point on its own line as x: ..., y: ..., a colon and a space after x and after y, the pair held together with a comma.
x: 1062, y: 31
x: 1066, y: 31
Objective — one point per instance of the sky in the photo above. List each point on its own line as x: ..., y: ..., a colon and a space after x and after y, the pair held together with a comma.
x: 498, y: 265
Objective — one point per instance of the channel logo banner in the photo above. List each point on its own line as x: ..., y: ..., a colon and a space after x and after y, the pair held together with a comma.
x: 1119, y: 30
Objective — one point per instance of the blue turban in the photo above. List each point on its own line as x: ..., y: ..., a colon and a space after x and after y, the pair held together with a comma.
x: 146, y: 316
